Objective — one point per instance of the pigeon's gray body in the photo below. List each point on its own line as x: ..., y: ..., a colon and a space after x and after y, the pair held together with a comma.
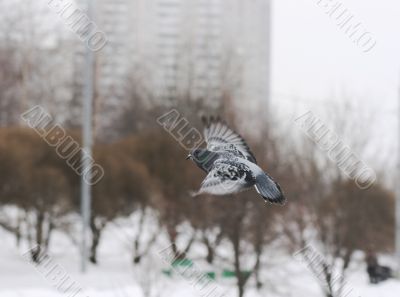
x: 230, y: 165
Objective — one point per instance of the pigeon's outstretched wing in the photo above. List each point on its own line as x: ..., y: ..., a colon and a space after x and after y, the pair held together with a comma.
x: 223, y: 179
x: 220, y: 137
x: 269, y: 189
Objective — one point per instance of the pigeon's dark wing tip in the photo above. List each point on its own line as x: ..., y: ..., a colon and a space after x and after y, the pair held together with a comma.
x: 269, y: 189
x: 280, y: 200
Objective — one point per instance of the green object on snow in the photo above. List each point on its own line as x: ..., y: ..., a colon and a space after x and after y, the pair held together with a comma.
x: 229, y: 273
x: 182, y: 262
x: 167, y: 272
x: 211, y: 275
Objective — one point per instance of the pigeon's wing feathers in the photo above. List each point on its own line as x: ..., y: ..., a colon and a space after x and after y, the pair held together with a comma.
x: 223, y: 179
x: 269, y: 189
x: 220, y: 137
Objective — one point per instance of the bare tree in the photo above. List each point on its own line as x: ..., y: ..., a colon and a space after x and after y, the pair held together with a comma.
x: 44, y: 197
x: 118, y: 193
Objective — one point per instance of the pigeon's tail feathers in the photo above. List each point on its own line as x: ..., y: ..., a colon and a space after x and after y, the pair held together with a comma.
x: 269, y: 189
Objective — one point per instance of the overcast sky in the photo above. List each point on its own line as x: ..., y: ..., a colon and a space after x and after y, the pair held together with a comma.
x: 312, y: 56
x: 313, y: 60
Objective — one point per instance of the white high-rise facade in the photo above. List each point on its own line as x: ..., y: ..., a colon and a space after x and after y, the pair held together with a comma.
x: 189, y: 48
x: 194, y: 49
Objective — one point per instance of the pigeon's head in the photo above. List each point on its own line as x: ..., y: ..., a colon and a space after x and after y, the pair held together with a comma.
x: 202, y: 157
x: 197, y: 154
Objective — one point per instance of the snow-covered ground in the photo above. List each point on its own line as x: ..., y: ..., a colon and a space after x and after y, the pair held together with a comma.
x: 115, y: 276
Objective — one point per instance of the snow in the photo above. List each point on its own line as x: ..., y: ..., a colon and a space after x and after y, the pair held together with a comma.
x: 116, y: 276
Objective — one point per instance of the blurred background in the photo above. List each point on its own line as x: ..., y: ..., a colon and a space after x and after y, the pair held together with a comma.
x: 259, y: 65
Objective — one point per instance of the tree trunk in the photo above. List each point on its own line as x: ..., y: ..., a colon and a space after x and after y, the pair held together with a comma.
x: 136, y: 244
x: 48, y: 235
x: 239, y: 275
x: 35, y: 252
x: 328, y: 279
x: 96, y: 235
x: 237, y: 266
x: 210, y: 253
x: 257, y: 267
x: 18, y: 235
x: 179, y: 254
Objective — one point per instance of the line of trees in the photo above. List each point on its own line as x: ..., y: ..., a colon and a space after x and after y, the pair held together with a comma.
x: 146, y: 174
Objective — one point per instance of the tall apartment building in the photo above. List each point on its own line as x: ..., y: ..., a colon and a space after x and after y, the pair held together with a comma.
x: 194, y: 48
x: 189, y: 48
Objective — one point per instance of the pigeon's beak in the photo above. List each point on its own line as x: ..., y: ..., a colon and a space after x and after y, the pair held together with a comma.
x: 188, y: 157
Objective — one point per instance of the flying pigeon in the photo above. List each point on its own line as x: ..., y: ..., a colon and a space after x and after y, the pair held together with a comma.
x: 230, y: 165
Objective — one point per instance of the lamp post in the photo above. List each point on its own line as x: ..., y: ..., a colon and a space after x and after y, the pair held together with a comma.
x: 87, y: 135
